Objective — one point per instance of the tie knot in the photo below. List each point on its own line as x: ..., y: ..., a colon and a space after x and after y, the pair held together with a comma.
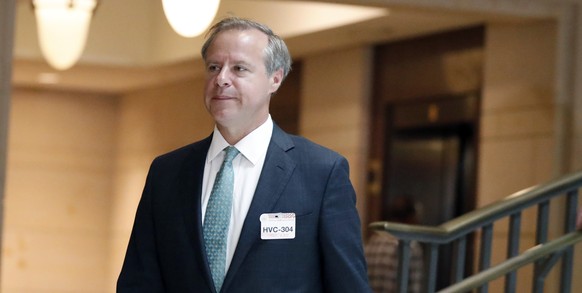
x: 231, y: 153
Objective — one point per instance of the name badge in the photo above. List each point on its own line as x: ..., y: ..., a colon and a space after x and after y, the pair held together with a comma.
x: 278, y: 226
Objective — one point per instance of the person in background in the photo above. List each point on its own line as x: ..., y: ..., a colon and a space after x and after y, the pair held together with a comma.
x: 382, y: 256
x: 249, y: 208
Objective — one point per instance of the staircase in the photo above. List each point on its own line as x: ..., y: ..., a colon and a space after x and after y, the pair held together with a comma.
x: 544, y: 255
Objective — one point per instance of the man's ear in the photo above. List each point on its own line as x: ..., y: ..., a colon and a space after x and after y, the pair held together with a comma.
x: 276, y: 80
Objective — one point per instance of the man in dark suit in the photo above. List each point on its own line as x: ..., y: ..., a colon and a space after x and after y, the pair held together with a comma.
x: 291, y: 225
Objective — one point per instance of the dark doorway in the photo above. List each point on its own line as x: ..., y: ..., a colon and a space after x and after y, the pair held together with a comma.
x: 425, y: 113
x: 430, y: 157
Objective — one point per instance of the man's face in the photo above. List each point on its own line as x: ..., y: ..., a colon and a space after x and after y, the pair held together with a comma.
x: 238, y: 89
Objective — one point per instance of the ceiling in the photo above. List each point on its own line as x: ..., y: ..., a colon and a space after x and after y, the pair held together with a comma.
x: 132, y: 46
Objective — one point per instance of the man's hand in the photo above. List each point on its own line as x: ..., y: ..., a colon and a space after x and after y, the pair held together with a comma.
x: 579, y: 220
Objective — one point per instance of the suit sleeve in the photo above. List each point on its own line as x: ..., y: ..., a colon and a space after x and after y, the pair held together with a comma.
x: 344, y: 265
x: 141, y: 270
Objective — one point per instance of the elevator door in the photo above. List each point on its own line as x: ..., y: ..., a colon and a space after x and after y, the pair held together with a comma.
x: 425, y: 167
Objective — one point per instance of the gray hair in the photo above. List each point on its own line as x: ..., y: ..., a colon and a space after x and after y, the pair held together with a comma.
x: 276, y: 53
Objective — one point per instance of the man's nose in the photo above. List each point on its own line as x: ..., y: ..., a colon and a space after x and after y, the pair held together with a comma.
x: 223, y: 78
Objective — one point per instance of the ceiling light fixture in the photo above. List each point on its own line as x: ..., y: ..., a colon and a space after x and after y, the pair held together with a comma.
x: 63, y: 26
x: 189, y: 18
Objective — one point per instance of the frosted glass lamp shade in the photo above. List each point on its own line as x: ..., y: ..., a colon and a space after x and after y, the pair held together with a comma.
x: 63, y: 26
x: 190, y: 18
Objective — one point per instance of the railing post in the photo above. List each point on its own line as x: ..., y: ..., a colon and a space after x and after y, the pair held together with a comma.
x: 513, y: 249
x: 431, y: 268
x: 459, y: 259
x: 485, y: 254
x: 541, y: 237
x: 403, y: 265
x: 568, y: 257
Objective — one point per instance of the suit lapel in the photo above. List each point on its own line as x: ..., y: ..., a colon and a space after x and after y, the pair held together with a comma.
x: 190, y: 179
x: 275, y: 175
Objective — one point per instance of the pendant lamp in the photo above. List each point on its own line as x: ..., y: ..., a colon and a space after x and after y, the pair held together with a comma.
x: 190, y: 18
x: 63, y: 26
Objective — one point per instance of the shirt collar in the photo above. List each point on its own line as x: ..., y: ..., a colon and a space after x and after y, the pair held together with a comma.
x: 253, y: 146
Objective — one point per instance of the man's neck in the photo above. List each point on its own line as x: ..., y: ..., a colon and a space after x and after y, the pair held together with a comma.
x: 234, y: 134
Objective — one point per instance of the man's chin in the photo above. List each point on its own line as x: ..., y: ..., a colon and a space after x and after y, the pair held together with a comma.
x: 222, y: 115
x: 226, y: 121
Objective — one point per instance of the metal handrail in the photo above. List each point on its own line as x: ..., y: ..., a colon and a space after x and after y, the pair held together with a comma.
x: 529, y: 256
x: 473, y: 220
x: 484, y: 218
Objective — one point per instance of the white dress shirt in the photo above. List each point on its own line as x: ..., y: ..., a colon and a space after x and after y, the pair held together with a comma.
x: 247, y: 170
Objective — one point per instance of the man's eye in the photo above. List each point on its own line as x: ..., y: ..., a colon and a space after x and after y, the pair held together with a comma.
x: 239, y: 68
x: 213, y: 68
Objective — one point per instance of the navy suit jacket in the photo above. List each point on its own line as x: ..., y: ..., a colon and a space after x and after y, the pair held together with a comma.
x: 166, y: 247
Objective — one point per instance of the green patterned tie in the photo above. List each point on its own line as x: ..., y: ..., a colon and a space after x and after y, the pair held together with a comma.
x: 217, y: 218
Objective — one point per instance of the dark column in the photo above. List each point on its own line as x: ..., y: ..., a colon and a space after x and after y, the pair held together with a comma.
x: 7, y: 15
